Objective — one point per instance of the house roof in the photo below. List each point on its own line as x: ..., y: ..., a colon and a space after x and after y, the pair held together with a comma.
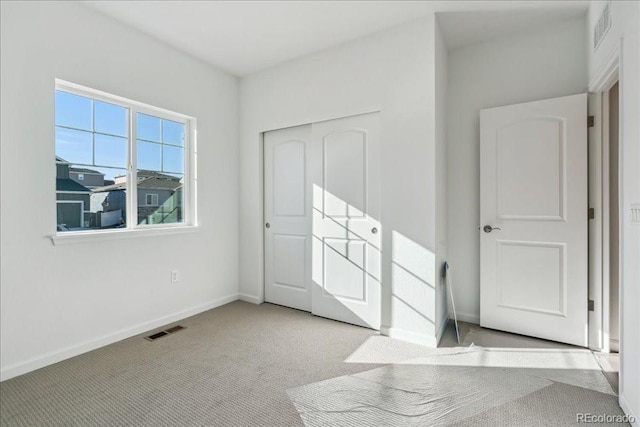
x: 85, y: 170
x: 66, y: 184
x: 143, y: 173
x: 111, y: 187
x: 160, y: 183
x: 146, y: 180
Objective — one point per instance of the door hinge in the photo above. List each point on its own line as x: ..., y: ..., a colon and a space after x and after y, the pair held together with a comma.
x: 591, y: 121
x: 590, y: 305
x: 592, y: 213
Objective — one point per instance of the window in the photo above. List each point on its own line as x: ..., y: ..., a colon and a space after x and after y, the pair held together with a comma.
x: 152, y: 200
x: 120, y: 163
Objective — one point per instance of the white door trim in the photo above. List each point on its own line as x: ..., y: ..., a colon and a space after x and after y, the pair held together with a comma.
x: 599, y: 337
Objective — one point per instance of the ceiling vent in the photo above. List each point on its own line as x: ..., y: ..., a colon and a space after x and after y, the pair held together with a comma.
x: 635, y: 213
x: 602, y: 26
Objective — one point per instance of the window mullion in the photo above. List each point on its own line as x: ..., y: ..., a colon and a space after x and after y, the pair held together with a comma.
x: 93, y: 132
x: 162, y: 145
x: 132, y: 190
x: 188, y: 171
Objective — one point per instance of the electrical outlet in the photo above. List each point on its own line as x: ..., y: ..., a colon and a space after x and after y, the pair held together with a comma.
x: 175, y: 276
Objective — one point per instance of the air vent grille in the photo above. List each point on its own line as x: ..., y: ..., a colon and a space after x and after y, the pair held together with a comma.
x: 164, y: 333
x: 174, y: 329
x: 602, y: 26
x: 635, y: 213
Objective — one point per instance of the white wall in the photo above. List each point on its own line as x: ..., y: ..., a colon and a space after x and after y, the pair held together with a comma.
x: 392, y: 72
x: 57, y: 301
x: 441, y: 83
x: 623, y: 36
x: 548, y: 62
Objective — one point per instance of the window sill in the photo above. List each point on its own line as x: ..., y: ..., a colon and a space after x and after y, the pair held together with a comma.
x: 71, y: 237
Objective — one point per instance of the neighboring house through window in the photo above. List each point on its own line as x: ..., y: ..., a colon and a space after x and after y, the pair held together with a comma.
x: 120, y: 163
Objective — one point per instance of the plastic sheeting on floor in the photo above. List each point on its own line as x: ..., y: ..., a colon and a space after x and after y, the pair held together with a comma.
x: 415, y: 394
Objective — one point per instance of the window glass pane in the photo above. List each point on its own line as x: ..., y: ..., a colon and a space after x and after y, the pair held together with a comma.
x: 74, y: 146
x: 73, y: 111
x: 172, y: 133
x: 110, y: 118
x: 149, y: 156
x: 148, y: 127
x: 97, y: 201
x: 160, y: 198
x: 92, y: 150
x: 172, y: 159
x: 110, y: 151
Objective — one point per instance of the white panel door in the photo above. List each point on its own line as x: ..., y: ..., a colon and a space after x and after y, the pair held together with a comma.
x: 287, y: 205
x: 533, y: 216
x: 346, y: 211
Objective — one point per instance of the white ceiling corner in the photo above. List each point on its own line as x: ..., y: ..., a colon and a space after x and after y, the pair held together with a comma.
x: 243, y: 37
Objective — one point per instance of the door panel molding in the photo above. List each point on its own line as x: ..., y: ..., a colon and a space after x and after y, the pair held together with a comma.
x: 533, y: 194
x: 324, y: 256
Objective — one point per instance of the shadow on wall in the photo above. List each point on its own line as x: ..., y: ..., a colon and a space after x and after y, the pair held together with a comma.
x: 347, y: 259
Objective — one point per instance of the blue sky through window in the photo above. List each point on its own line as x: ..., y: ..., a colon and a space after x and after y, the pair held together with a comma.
x: 93, y: 134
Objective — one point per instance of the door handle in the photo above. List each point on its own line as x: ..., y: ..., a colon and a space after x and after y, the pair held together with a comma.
x: 489, y: 229
x: 374, y: 230
x: 267, y: 225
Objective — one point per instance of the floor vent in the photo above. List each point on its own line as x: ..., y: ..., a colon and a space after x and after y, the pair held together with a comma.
x: 174, y: 329
x: 164, y: 333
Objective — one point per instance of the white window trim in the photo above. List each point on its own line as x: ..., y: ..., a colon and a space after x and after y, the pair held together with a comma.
x: 190, y: 171
x: 73, y: 237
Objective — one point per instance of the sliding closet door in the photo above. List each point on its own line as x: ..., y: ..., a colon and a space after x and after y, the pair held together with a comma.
x: 322, y: 209
x: 346, y: 213
x: 287, y: 211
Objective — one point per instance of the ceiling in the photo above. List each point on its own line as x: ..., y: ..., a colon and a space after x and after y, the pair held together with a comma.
x: 243, y: 37
x: 465, y: 28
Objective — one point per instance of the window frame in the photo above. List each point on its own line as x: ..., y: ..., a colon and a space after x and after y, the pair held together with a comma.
x: 190, y: 157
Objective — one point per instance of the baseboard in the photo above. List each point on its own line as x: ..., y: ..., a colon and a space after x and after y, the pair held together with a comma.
x: 250, y: 298
x: 412, y: 337
x: 627, y: 410
x: 614, y: 345
x: 55, y: 356
x: 441, y: 329
x: 466, y: 317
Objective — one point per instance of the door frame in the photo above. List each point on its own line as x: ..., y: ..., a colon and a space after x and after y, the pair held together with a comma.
x: 606, y: 78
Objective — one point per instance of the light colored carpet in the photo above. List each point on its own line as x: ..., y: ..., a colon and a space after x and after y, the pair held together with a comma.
x: 234, y: 365
x: 230, y: 367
